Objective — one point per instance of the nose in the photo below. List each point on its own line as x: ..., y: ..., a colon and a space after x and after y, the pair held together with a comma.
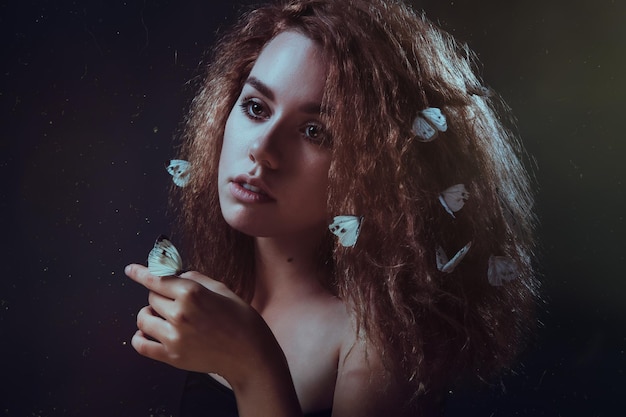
x: 264, y: 150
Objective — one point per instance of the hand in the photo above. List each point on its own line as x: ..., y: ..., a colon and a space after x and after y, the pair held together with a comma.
x: 195, y: 323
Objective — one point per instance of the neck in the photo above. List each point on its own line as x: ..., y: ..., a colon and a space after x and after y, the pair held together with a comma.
x: 286, y: 269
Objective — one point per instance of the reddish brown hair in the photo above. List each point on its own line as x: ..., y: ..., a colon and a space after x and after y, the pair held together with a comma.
x: 386, y: 64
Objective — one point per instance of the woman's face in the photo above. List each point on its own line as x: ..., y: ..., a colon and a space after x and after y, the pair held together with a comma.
x: 273, y: 171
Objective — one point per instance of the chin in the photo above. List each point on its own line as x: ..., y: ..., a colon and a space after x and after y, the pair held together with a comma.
x: 246, y: 224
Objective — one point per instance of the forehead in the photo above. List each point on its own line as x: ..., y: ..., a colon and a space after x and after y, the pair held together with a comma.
x: 291, y: 60
x: 293, y: 43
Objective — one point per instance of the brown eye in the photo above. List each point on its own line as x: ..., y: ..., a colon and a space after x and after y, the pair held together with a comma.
x: 313, y: 132
x: 253, y: 109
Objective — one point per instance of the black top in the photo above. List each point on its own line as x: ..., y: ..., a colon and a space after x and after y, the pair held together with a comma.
x: 204, y: 396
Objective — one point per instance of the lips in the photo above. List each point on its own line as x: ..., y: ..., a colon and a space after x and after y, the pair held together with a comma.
x: 250, y: 190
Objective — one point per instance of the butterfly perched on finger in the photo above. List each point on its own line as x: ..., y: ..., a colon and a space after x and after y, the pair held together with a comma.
x: 164, y: 259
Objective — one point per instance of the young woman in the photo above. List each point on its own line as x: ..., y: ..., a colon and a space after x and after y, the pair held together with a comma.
x: 361, y: 109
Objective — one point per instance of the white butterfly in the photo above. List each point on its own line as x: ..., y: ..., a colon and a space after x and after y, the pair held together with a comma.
x: 453, y: 198
x: 501, y: 269
x: 347, y: 229
x: 445, y: 265
x: 164, y: 259
x: 179, y: 170
x: 428, y: 122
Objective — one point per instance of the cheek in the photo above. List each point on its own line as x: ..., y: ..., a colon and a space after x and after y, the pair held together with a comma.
x: 318, y: 175
x: 223, y: 157
x: 228, y: 144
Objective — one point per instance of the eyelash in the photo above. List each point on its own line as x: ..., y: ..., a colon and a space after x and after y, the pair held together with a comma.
x: 321, y: 137
x: 246, y: 105
x: 246, y: 108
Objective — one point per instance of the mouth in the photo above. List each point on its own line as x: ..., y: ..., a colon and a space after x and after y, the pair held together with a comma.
x: 252, y: 188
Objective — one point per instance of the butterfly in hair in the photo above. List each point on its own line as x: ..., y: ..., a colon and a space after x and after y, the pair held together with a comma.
x: 447, y: 265
x: 428, y: 123
x: 501, y: 269
x: 179, y: 170
x: 347, y: 229
x: 453, y: 198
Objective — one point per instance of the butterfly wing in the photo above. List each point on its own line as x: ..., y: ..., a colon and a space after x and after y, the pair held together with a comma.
x: 445, y: 265
x: 164, y: 259
x: 436, y: 118
x: 179, y: 170
x: 501, y: 269
x: 423, y: 130
x: 441, y: 257
x: 347, y: 229
x: 453, y: 198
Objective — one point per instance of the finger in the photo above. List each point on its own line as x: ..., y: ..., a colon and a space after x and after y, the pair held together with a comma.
x: 170, y: 287
x: 211, y: 284
x: 163, y: 306
x: 150, y: 324
x: 148, y: 348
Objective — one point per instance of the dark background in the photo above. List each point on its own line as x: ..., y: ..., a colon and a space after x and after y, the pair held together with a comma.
x: 92, y: 94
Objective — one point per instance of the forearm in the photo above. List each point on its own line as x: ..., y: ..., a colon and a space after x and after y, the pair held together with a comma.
x: 268, y: 395
x: 267, y: 389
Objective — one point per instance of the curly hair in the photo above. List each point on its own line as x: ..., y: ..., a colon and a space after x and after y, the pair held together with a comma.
x: 387, y: 63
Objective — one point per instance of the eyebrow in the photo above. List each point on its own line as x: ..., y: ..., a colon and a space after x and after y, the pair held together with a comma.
x: 261, y: 87
x: 312, y: 108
